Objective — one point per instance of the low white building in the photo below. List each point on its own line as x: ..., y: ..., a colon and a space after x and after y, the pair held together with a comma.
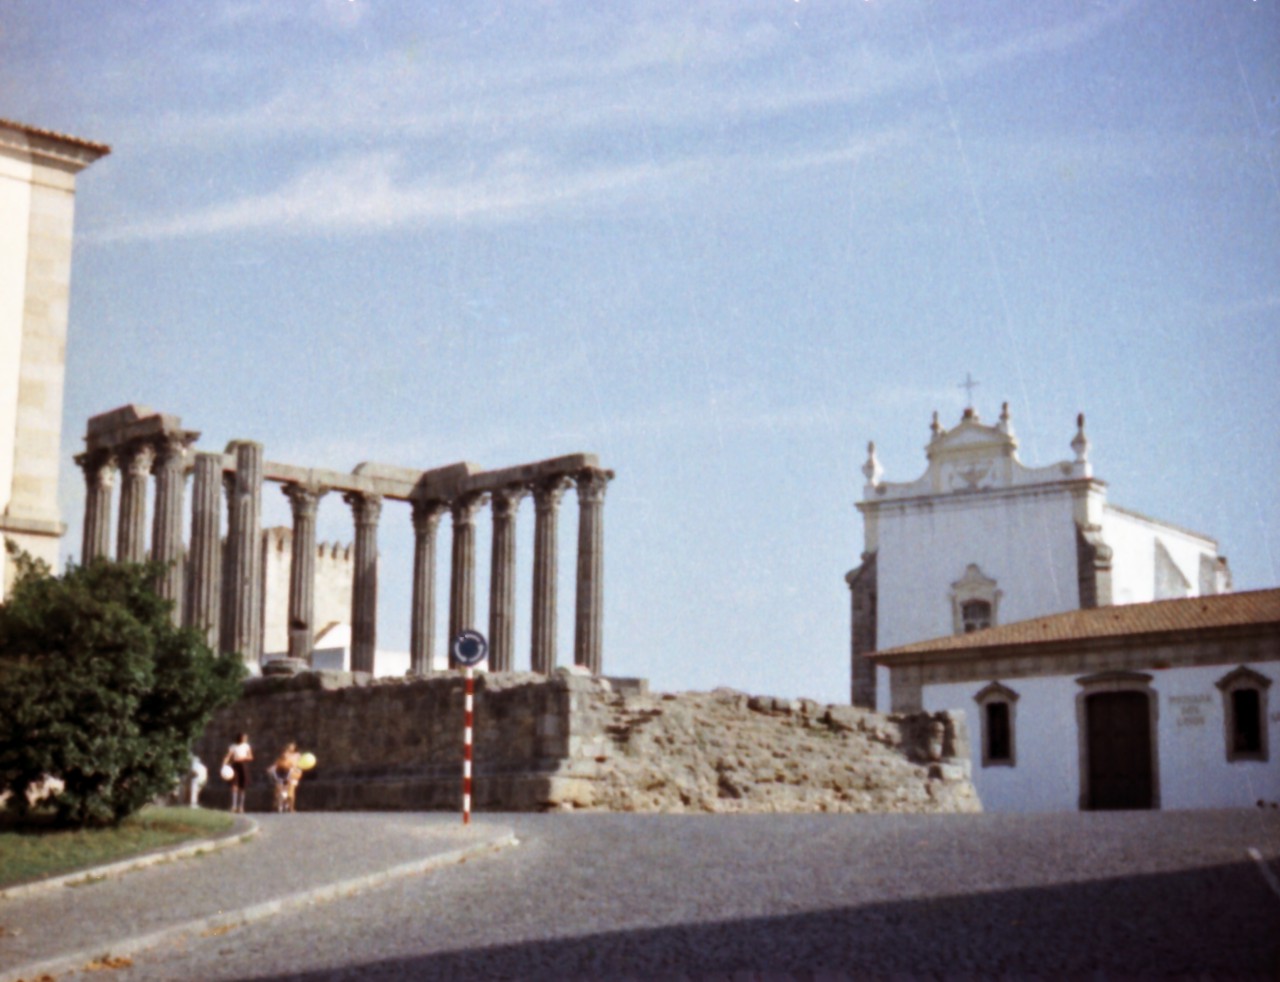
x: 980, y: 539
x: 1165, y: 704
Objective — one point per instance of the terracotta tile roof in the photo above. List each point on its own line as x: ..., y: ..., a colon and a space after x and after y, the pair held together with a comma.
x: 100, y: 148
x: 1253, y: 608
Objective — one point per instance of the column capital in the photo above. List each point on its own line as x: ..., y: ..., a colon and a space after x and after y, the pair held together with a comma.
x: 507, y: 500
x: 427, y: 512
x: 464, y: 507
x: 99, y: 467
x: 303, y: 498
x: 172, y: 446
x: 365, y: 508
x: 548, y: 492
x: 592, y: 483
x: 137, y: 459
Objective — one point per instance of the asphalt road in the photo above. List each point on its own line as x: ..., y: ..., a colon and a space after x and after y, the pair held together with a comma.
x: 791, y: 896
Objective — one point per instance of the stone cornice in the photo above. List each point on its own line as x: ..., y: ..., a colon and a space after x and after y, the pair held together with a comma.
x: 978, y: 496
x: 46, y: 146
x: 31, y: 526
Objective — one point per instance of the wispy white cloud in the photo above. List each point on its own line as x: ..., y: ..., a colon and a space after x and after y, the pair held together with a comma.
x: 668, y: 104
x: 378, y: 192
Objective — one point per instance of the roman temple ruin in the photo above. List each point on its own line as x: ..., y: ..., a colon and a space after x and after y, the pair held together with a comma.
x: 216, y: 582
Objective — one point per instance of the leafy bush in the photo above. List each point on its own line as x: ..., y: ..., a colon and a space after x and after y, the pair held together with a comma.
x: 99, y: 688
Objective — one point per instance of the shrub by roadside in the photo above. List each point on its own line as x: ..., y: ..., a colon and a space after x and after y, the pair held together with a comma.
x: 100, y: 689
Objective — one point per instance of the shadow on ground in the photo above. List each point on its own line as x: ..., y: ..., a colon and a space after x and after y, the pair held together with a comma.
x: 1220, y: 922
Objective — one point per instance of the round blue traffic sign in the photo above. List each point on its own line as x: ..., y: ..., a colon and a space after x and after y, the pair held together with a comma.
x: 469, y: 648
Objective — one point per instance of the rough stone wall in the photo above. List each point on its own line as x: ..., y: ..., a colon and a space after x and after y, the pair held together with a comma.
x: 573, y: 742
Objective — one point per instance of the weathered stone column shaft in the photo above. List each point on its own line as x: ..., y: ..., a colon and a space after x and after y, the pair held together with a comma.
x: 166, y: 528
x: 546, y: 503
x: 242, y: 596
x: 422, y: 623
x: 99, y: 478
x: 302, y: 569
x: 204, y: 563
x: 131, y: 540
x: 365, y: 509
x: 502, y: 580
x: 462, y: 586
x: 589, y: 614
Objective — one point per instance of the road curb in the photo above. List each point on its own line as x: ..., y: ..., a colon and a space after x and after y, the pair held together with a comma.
x: 244, y: 830
x: 104, y: 952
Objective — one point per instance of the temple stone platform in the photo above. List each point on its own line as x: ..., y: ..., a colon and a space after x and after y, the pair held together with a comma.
x: 575, y: 741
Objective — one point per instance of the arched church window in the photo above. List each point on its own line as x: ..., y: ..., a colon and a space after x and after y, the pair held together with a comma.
x: 1244, y: 711
x: 996, y: 714
x: 975, y: 601
x: 976, y: 614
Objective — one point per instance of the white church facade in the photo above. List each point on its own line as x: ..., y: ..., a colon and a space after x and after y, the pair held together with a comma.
x: 981, y: 540
x: 1098, y: 654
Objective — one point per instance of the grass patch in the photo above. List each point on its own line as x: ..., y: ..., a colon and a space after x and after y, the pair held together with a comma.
x: 37, y: 850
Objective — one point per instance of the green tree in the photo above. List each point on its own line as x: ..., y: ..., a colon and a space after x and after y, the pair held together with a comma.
x: 99, y: 688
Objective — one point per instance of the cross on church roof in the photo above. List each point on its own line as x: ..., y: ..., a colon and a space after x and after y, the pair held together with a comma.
x: 969, y: 385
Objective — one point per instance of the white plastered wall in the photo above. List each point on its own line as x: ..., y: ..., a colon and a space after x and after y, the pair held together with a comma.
x: 1191, y: 736
x: 1046, y: 776
x: 1025, y: 542
x: 15, y: 211
x: 1133, y: 540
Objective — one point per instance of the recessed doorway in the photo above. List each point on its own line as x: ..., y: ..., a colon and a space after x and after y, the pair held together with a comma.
x: 1119, y: 759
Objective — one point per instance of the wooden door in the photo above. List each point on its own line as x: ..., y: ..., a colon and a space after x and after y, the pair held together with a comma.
x: 1119, y: 754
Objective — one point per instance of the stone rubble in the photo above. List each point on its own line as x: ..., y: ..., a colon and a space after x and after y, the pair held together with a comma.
x: 725, y: 751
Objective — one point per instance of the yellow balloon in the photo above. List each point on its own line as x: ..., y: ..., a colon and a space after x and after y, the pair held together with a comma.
x: 307, y: 761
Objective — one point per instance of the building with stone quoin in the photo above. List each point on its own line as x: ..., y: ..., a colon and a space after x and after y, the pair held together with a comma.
x: 37, y: 205
x: 1087, y: 643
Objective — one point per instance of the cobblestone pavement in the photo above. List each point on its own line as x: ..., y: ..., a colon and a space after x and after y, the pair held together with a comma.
x: 792, y: 896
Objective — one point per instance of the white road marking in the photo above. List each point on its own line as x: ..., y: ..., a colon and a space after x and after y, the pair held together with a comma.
x: 1267, y: 873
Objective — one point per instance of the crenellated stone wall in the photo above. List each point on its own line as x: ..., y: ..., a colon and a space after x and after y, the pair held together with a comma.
x: 575, y: 741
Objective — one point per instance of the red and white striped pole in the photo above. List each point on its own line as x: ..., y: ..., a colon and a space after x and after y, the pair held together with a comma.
x: 468, y: 722
x: 469, y: 649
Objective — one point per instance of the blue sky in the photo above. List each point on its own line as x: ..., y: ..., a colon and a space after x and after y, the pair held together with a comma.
x: 722, y: 245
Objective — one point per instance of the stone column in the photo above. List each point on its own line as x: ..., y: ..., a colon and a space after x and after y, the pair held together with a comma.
x: 99, y: 478
x: 546, y: 504
x: 422, y: 624
x: 462, y: 586
x: 502, y: 580
x: 131, y: 540
x: 589, y: 613
x: 303, y: 500
x: 227, y: 580
x: 166, y: 527
x: 242, y: 596
x: 366, y: 509
x: 204, y: 563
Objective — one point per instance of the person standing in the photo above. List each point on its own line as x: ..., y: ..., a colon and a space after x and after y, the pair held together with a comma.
x: 239, y: 754
x: 285, y: 774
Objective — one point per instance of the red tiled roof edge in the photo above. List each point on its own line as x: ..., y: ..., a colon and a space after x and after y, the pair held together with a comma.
x: 1245, y: 610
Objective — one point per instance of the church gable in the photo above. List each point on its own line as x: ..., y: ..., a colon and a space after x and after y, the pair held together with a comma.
x: 973, y: 456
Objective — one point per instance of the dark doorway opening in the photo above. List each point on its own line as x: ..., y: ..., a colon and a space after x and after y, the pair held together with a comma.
x: 1119, y: 750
